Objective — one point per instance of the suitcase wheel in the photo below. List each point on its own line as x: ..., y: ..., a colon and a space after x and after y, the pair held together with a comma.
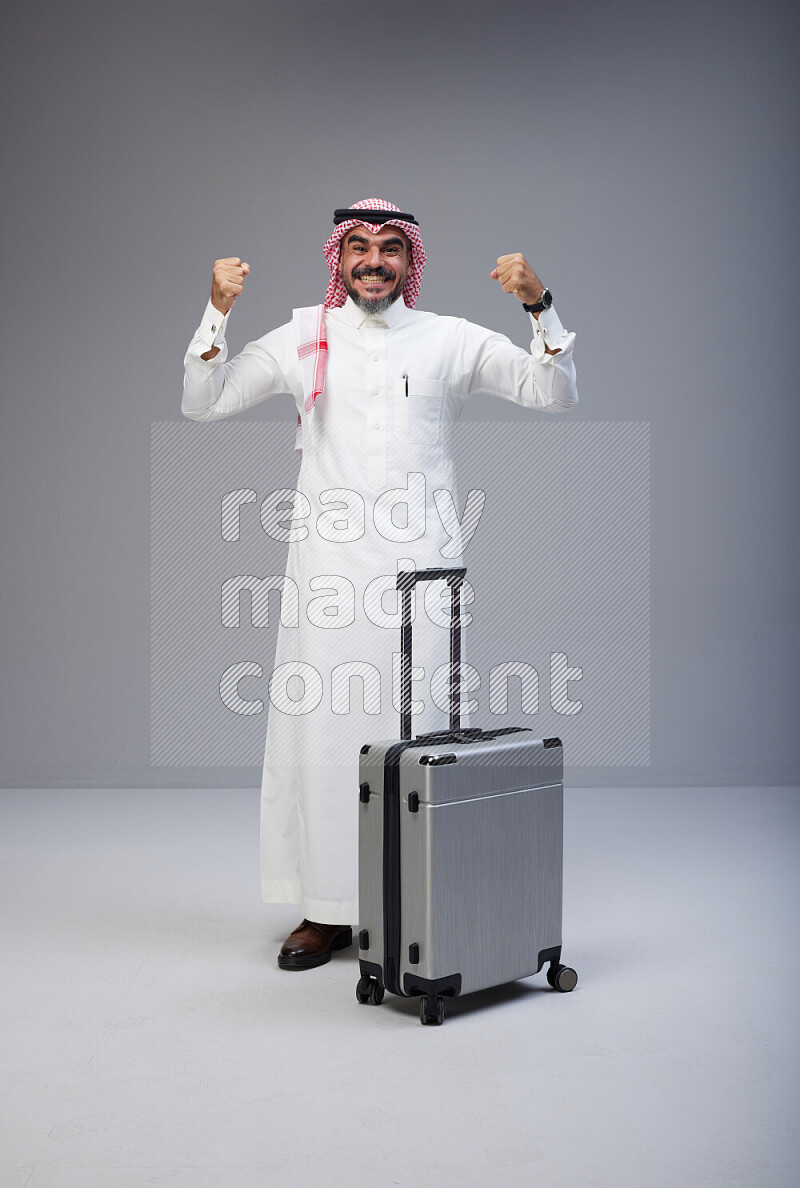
x: 561, y: 977
x: 369, y: 990
x: 431, y: 1010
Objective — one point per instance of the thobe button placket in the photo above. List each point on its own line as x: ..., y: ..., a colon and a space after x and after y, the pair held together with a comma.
x: 376, y: 438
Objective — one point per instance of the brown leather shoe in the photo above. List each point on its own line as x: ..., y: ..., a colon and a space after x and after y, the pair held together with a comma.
x: 312, y: 944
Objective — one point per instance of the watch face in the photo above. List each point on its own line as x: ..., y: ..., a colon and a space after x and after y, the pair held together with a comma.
x: 546, y: 298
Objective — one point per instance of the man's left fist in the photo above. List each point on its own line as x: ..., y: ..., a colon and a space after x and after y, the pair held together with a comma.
x: 516, y: 276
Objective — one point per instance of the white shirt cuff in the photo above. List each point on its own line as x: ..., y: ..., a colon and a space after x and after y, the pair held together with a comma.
x: 547, y: 331
x: 211, y: 330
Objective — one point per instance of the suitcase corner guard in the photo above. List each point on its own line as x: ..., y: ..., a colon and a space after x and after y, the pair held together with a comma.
x: 432, y: 987
x: 546, y: 955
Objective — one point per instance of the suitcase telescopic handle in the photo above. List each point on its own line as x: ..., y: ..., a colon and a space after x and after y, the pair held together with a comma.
x: 406, y: 581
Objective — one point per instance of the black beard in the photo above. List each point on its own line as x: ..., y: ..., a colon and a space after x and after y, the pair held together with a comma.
x: 374, y: 305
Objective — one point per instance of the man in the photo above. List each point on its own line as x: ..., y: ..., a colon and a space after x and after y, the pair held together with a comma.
x: 379, y: 387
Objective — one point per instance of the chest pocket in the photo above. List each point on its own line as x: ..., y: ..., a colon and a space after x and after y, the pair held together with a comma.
x: 418, y: 416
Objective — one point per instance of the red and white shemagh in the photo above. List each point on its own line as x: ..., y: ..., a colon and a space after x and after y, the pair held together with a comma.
x: 312, y: 343
x: 337, y: 293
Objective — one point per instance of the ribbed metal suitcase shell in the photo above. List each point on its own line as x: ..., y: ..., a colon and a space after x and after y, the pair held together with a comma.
x: 460, y: 849
x: 460, y: 860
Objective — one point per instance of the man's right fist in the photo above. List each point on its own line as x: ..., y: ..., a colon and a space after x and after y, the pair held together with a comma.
x: 227, y: 282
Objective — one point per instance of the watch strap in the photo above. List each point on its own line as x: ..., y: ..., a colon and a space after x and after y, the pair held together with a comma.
x: 538, y: 306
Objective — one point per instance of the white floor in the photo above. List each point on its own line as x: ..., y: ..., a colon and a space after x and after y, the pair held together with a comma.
x: 149, y: 1037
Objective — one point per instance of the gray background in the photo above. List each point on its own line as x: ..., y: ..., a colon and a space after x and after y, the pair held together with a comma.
x: 642, y: 155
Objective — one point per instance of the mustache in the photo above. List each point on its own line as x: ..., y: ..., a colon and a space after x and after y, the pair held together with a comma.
x: 382, y: 272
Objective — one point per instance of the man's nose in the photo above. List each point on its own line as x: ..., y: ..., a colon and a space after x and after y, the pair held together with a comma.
x: 374, y: 256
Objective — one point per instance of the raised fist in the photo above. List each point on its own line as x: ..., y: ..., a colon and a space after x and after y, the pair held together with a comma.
x: 227, y: 282
x: 516, y: 276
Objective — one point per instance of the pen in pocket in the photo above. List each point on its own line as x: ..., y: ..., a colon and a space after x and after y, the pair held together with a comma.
x: 405, y: 377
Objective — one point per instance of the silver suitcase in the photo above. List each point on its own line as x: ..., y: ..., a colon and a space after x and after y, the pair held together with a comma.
x: 460, y: 850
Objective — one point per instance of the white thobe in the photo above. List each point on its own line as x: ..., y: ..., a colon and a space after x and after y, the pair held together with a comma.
x: 376, y: 447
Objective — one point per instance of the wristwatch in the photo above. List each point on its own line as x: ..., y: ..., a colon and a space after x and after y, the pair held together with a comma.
x: 544, y: 302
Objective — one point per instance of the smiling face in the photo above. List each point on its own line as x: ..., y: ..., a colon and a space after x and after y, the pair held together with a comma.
x: 374, y: 267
